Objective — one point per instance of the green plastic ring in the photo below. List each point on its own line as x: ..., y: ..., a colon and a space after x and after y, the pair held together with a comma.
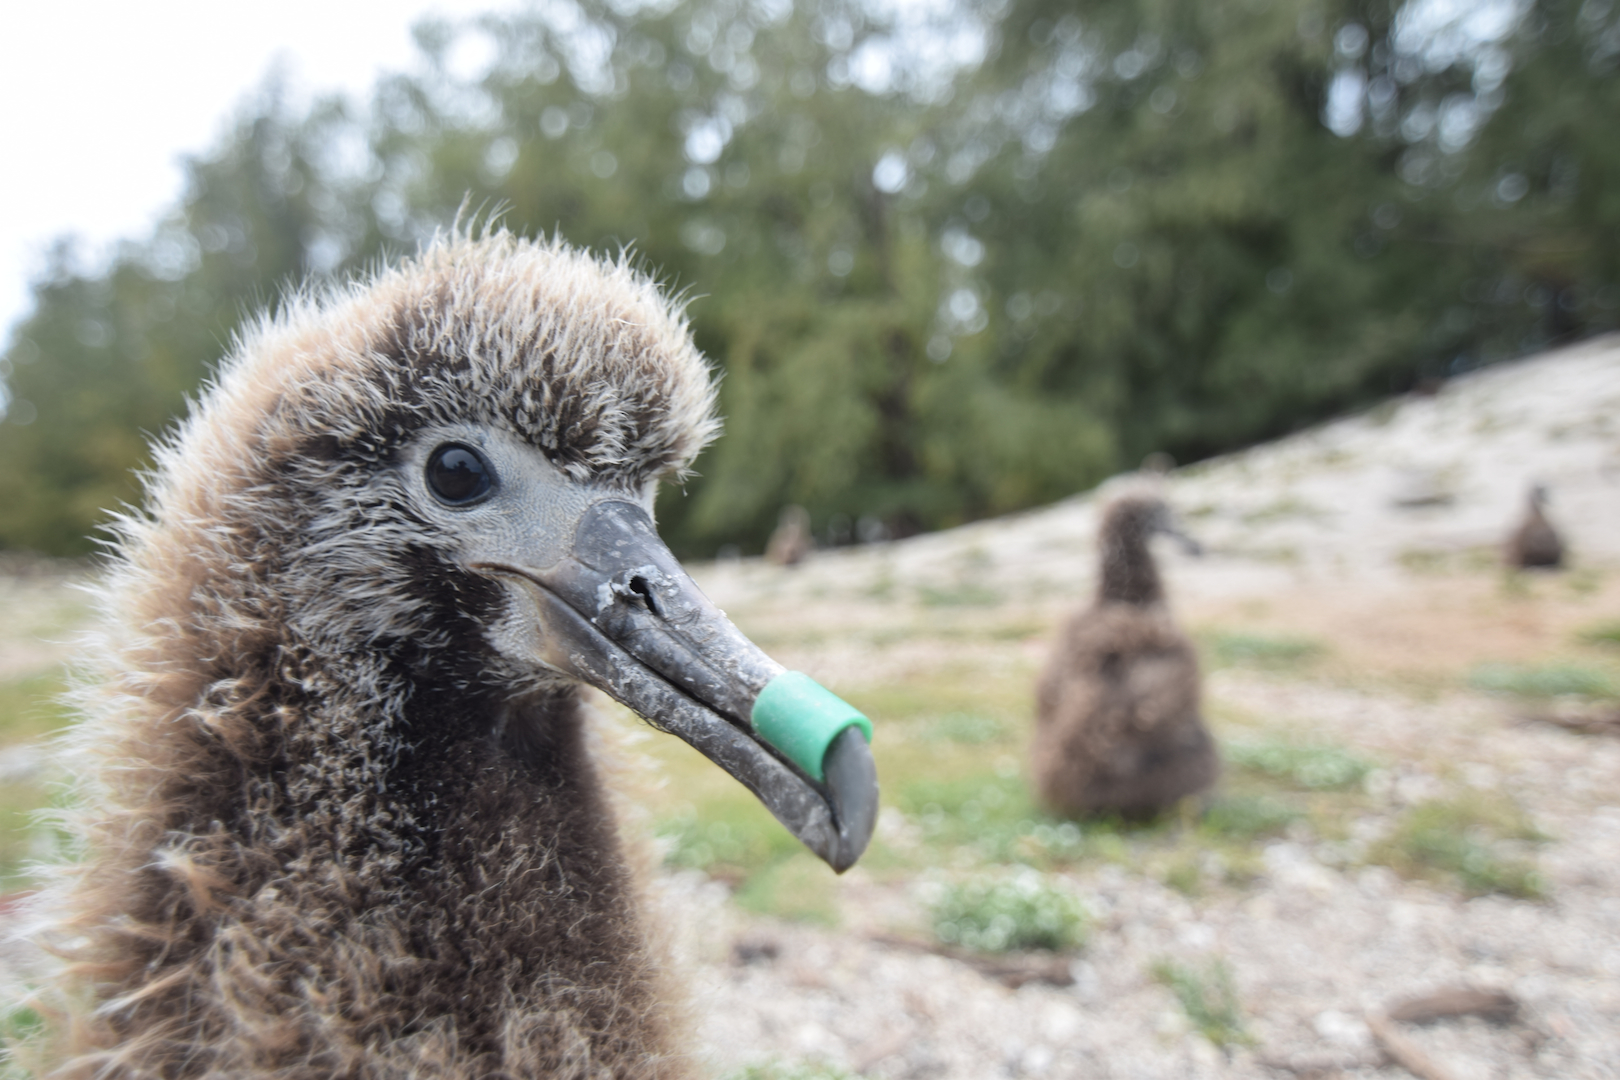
x: 801, y: 718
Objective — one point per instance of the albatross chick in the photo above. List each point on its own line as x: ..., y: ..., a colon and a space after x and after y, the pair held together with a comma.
x: 342, y: 817
x: 1118, y: 728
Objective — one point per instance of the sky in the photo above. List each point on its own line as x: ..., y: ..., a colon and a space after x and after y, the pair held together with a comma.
x: 135, y: 87
x: 131, y: 88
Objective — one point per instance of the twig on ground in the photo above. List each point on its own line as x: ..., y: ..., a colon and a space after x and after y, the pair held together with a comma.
x: 875, y: 1050
x: 1497, y: 1006
x: 1586, y: 719
x: 1012, y: 970
x: 1403, y: 1051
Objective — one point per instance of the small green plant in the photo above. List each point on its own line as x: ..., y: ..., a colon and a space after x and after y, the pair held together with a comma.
x: 1603, y: 633
x: 1462, y: 838
x: 1316, y: 766
x: 1021, y: 912
x: 1231, y: 647
x: 1246, y: 817
x: 790, y: 1070
x: 1541, y: 681
x: 1208, y: 997
x: 18, y: 1024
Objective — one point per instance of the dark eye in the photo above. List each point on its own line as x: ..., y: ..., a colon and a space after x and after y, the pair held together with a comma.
x: 458, y: 475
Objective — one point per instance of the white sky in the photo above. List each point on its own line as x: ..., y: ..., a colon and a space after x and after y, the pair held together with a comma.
x: 99, y: 100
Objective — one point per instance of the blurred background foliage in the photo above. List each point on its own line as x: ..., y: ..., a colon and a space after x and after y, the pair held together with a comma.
x: 953, y: 259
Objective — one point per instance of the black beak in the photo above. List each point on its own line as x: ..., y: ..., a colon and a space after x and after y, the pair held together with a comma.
x: 1167, y: 524
x: 619, y: 612
x: 1189, y: 544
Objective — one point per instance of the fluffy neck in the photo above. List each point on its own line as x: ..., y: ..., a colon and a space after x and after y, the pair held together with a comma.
x: 1127, y: 574
x: 299, y: 880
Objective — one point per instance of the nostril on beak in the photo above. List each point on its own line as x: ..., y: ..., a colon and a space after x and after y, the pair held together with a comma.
x: 643, y: 588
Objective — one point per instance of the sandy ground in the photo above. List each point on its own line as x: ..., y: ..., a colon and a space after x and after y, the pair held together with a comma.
x: 1314, y: 945
x: 1376, y: 534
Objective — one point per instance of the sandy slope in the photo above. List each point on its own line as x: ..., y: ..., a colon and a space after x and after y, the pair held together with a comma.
x: 1321, y: 506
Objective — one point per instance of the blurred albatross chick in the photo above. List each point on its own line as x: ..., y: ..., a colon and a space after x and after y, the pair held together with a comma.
x: 1534, y: 543
x: 345, y: 821
x: 791, y: 541
x: 1118, y: 728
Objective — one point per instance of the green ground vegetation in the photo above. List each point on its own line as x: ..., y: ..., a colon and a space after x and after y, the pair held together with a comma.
x: 1545, y: 680
x: 1209, y: 999
x: 1605, y: 634
x: 950, y: 752
x: 1270, y: 651
x: 797, y: 887
x: 997, y: 914
x: 18, y: 1025
x: 1481, y: 842
x: 1249, y: 817
x: 1315, y: 766
x: 957, y: 800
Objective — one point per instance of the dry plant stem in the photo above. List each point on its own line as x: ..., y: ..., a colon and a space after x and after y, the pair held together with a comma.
x: 1403, y: 1051
x: 1011, y: 971
x: 1585, y: 721
x: 1497, y: 1006
x: 875, y: 1050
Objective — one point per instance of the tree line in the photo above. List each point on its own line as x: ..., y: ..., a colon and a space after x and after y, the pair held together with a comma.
x: 951, y: 262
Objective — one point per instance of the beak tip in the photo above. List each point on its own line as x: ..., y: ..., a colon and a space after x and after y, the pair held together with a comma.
x: 852, y: 782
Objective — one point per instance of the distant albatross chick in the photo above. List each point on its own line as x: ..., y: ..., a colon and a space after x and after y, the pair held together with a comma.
x: 1534, y: 543
x: 343, y: 820
x: 791, y: 542
x: 1118, y: 728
